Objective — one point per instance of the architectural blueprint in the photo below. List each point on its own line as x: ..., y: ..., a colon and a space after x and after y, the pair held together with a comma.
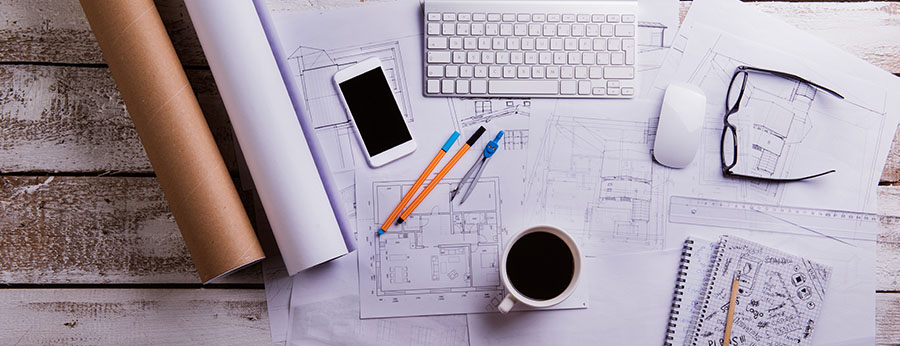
x: 592, y: 174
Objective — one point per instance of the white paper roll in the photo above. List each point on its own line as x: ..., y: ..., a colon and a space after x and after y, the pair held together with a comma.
x: 266, y: 126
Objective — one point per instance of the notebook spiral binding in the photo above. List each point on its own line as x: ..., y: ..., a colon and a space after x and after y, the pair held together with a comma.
x: 723, y: 242
x: 686, y: 252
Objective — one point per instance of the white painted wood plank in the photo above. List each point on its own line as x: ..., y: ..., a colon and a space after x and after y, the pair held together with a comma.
x: 133, y: 317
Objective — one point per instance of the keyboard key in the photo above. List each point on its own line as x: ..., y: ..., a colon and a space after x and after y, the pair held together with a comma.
x: 459, y: 57
x: 618, y: 72
x: 434, y: 28
x: 592, y: 30
x: 625, y: 30
x: 628, y: 18
x: 574, y: 59
x: 448, y: 29
x: 484, y: 43
x: 495, y: 71
x: 617, y: 58
x: 567, y: 72
x: 470, y: 43
x: 466, y: 71
x: 437, y: 43
x: 584, y: 44
x: 537, y: 72
x: 627, y: 91
x: 538, y: 17
x: 493, y: 17
x: 534, y: 29
x: 502, y: 58
x: 563, y: 30
x: 583, y: 18
x: 449, y: 17
x: 492, y: 29
x: 531, y: 58
x: 589, y: 58
x: 479, y: 17
x: 464, y: 17
x: 584, y: 87
x: 477, y: 29
x: 456, y: 43
x: 599, y: 91
x: 523, y: 17
x: 462, y: 86
x: 545, y: 58
x: 553, y: 17
x: 488, y: 57
x: 606, y: 30
x: 447, y: 86
x: 568, y: 18
x: 524, y: 72
x: 434, y: 16
x: 516, y: 57
x: 433, y: 86
x: 435, y: 71
x: 527, y: 43
x: 581, y: 72
x: 520, y: 87
x: 479, y: 86
x: 612, y: 91
x: 614, y: 44
x: 599, y: 44
x: 559, y: 58
x: 521, y: 29
x: 571, y: 44
x: 568, y: 87
x: 499, y: 43
x: 628, y: 47
x: 596, y: 72
x: 612, y: 18
x: 549, y: 29
x: 439, y: 57
x: 480, y: 72
x: 473, y: 57
x: 506, y: 29
x: 462, y: 29
x: 509, y: 17
x: 552, y: 72
x: 452, y: 71
x: 598, y: 18
x: 509, y: 72
x: 542, y: 43
x: 578, y: 30
x: 603, y: 58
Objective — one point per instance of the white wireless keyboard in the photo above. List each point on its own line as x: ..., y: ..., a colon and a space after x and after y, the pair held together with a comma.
x: 525, y: 48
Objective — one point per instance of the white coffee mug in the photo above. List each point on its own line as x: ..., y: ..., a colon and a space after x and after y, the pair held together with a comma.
x: 513, y: 296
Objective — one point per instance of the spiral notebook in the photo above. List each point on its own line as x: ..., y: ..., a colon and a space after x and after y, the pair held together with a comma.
x: 779, y: 296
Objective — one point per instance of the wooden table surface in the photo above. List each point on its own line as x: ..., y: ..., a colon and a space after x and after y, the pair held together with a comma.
x: 89, y: 251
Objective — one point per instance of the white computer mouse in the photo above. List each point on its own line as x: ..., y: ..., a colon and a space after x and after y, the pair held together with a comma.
x: 680, y: 124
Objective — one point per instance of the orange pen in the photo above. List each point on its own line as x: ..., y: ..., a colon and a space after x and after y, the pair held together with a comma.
x: 433, y: 183
x: 437, y: 158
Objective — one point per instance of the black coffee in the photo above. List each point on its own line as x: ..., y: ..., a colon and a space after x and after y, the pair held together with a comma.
x: 540, y: 265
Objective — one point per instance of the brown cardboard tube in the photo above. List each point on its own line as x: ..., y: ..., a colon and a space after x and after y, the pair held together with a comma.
x: 175, y: 135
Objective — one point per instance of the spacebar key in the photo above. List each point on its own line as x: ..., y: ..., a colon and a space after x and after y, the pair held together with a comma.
x: 523, y: 87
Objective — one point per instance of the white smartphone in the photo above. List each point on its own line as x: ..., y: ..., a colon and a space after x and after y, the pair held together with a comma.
x: 377, y: 121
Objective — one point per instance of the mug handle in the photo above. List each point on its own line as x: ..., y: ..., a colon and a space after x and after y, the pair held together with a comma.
x: 507, y: 303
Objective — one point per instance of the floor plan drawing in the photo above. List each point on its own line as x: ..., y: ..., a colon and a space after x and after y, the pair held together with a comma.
x: 442, y: 251
x: 515, y: 139
x: 610, y: 159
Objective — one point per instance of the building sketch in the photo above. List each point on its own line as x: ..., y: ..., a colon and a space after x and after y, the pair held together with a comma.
x: 594, y: 177
x: 468, y: 112
x: 651, y: 36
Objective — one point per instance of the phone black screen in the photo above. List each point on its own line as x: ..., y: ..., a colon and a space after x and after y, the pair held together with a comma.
x: 373, y: 108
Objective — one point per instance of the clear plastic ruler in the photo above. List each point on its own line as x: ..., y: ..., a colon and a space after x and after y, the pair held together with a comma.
x: 773, y: 218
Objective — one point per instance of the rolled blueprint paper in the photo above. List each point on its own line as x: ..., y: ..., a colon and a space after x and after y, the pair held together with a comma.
x: 178, y: 142
x: 277, y: 153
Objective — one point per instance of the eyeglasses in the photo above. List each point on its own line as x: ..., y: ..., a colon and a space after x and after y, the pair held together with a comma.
x: 733, y: 103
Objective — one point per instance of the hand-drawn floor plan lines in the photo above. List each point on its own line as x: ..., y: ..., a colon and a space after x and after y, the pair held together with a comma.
x: 442, y: 251
x: 315, y: 68
x: 515, y: 139
x: 469, y: 112
x: 611, y: 159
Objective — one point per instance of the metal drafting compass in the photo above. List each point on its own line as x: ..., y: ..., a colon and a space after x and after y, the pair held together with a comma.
x: 478, y: 168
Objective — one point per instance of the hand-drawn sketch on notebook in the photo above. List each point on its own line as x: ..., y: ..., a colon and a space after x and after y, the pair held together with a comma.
x: 594, y: 178
x: 779, y: 295
x: 314, y: 69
